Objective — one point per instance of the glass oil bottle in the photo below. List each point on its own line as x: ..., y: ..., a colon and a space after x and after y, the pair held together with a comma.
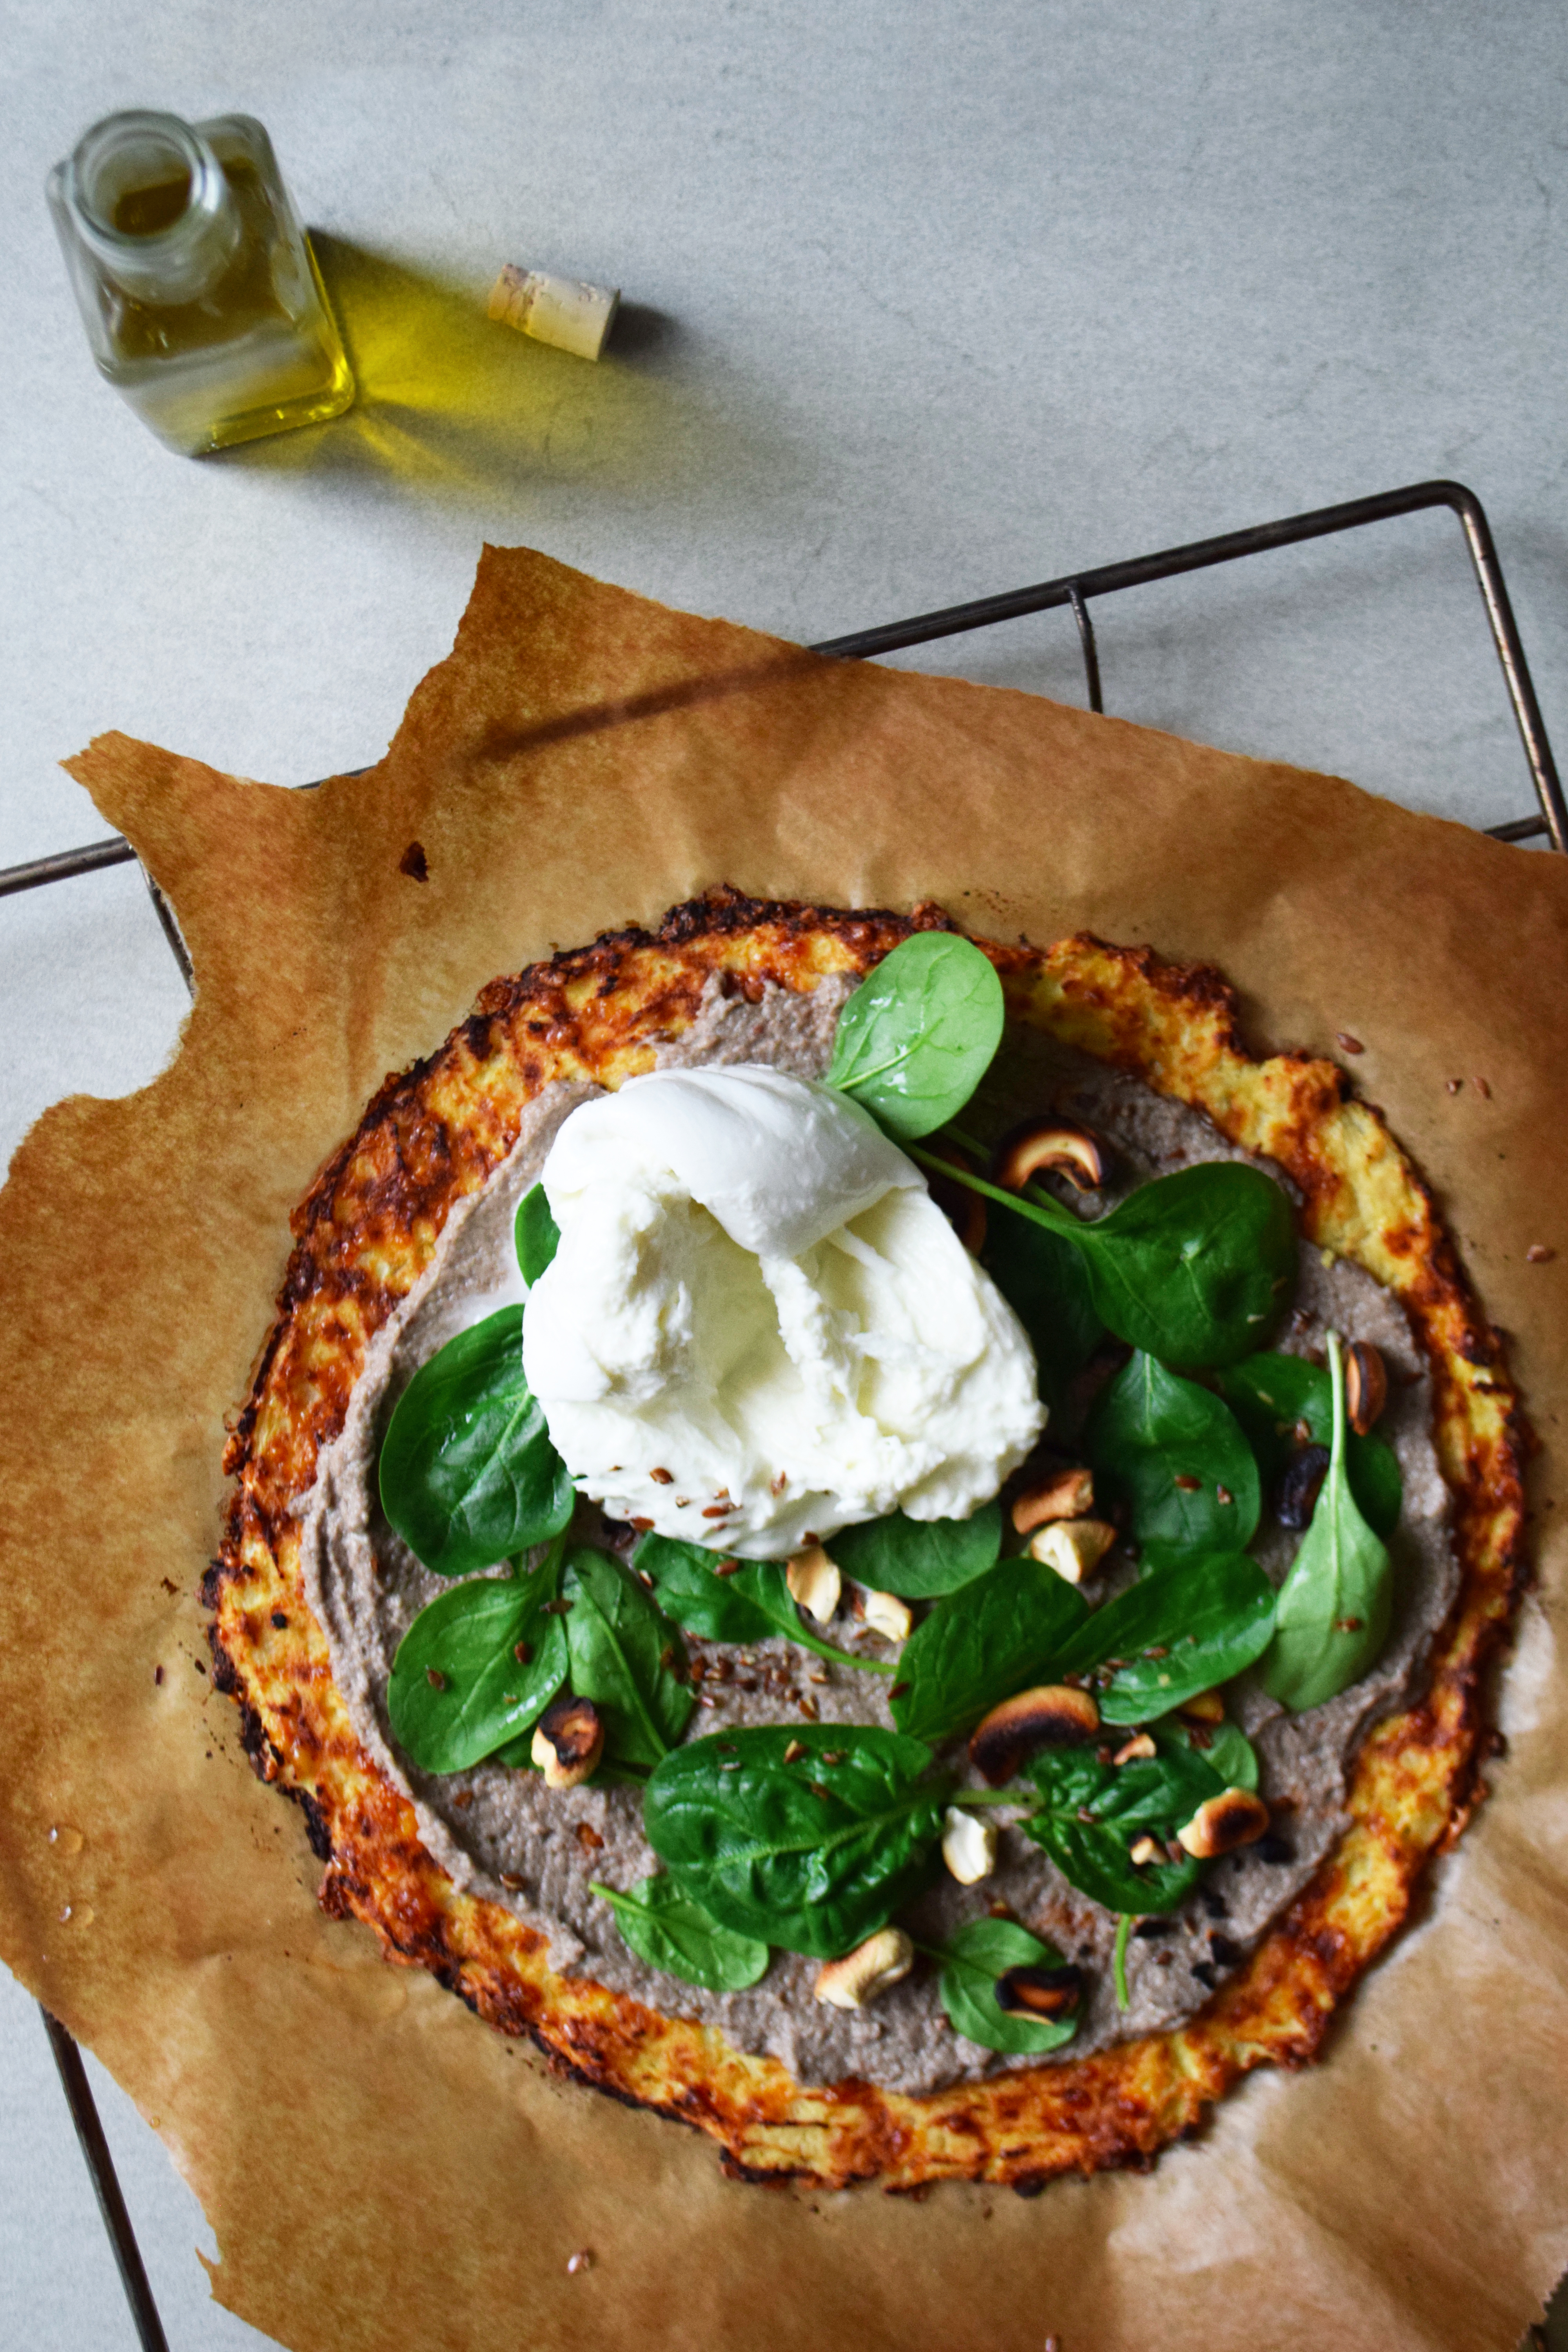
x: 196, y: 284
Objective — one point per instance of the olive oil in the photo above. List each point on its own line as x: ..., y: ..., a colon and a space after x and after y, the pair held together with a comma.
x: 200, y: 294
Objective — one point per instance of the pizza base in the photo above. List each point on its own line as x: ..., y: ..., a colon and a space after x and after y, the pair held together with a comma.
x: 365, y: 1232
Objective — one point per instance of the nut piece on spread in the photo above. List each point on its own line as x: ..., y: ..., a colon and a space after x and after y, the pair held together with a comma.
x: 1051, y: 1712
x: 568, y: 1741
x: 1040, y: 1992
x: 1366, y: 1386
x: 815, y: 1582
x: 1298, y: 1487
x: 1074, y: 1548
x: 1058, y: 1145
x: 887, y: 1615
x: 1235, y: 1817
x: 1139, y: 1745
x: 1066, y: 1494
x: 968, y: 1846
x: 870, y: 1968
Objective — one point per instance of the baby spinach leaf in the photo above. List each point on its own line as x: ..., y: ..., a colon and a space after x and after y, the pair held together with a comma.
x: 1093, y: 1813
x: 705, y: 1604
x: 1270, y: 1394
x: 815, y: 1853
x: 1119, y: 1961
x: 983, y: 1951
x: 665, y: 1926
x: 918, y: 1035
x: 752, y: 1602
x: 458, y: 1688
x: 468, y: 1474
x: 1224, y: 1747
x: 1044, y: 1281
x: 624, y: 1654
x: 1009, y: 1629
x: 919, y: 1558
x: 1202, y: 1623
x: 536, y: 1233
x: 1333, y: 1613
x: 1174, y: 1453
x: 1193, y: 1268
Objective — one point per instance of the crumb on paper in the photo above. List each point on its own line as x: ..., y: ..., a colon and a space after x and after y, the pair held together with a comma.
x: 582, y: 2260
x: 1347, y: 1043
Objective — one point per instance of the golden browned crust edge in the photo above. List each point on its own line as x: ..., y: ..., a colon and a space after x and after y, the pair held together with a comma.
x: 367, y: 1227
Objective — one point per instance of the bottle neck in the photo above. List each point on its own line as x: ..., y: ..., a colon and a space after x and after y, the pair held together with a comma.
x: 149, y: 200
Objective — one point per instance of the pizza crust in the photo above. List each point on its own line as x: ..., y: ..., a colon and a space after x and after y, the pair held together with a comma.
x: 365, y: 1234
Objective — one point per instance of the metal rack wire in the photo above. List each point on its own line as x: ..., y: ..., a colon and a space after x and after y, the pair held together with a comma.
x: 1075, y: 590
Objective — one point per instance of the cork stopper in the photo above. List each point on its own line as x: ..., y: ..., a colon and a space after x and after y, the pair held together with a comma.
x: 559, y: 311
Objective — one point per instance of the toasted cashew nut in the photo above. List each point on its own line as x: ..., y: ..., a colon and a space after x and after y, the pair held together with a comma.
x: 568, y: 1741
x: 1066, y: 1494
x: 868, y: 1970
x: 1060, y: 1145
x: 968, y: 1846
x: 1054, y: 1711
x: 1223, y: 1823
x: 886, y: 1614
x: 1074, y: 1548
x: 815, y: 1582
x: 1366, y: 1385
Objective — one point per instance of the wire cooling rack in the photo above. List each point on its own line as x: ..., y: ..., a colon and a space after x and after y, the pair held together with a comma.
x: 1077, y: 589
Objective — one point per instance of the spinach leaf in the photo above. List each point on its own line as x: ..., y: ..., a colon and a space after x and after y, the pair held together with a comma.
x: 668, y: 1929
x: 1174, y: 1453
x: 625, y: 1654
x: 1119, y: 1961
x: 918, y: 1035
x: 1044, y: 1281
x: 755, y: 1596
x: 1193, y: 1268
x: 689, y: 1592
x: 1009, y: 1629
x: 919, y: 1558
x: 536, y: 1233
x: 1206, y: 1622
x: 459, y: 1689
x: 1270, y: 1394
x: 1333, y: 1613
x: 1228, y: 1752
x: 1094, y: 1812
x: 468, y: 1474
x: 814, y: 1855
x: 980, y: 1951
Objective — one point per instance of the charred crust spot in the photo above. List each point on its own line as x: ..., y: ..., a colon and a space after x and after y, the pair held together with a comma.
x: 316, y: 1828
x: 225, y: 1676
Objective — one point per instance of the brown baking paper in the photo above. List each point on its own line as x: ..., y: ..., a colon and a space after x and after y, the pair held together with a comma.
x: 379, y: 2167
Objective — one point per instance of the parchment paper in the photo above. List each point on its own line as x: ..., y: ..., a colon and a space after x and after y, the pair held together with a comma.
x: 380, y: 2169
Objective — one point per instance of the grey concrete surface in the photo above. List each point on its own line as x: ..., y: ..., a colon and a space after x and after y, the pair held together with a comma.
x: 923, y: 301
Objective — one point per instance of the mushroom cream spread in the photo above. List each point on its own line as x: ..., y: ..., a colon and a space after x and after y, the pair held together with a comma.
x: 500, y: 1831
